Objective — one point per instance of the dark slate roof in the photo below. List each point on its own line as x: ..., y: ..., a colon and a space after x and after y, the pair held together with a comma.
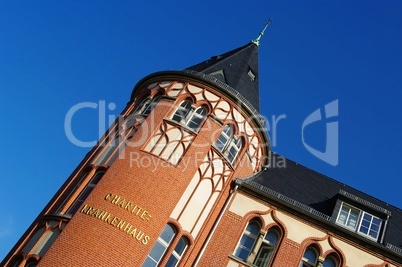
x: 317, y: 194
x: 235, y: 66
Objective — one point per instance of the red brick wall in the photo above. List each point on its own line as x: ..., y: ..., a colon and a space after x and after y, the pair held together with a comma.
x: 154, y: 185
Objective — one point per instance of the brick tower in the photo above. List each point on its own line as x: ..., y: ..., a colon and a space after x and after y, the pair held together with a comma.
x: 154, y: 188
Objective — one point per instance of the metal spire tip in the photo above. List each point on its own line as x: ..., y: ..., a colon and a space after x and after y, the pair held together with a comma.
x: 257, y: 41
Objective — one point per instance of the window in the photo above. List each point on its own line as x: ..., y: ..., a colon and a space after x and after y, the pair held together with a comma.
x: 31, y: 263
x: 85, y: 192
x: 160, y: 247
x: 330, y: 261
x: 253, y: 242
x: 228, y: 144
x: 151, y: 105
x: 197, y: 118
x: 182, y: 112
x: 224, y: 138
x: 309, y: 258
x: 186, y: 115
x: 370, y: 225
x: 178, y: 252
x: 147, y: 105
x: 348, y: 216
x: 109, y: 153
x: 359, y: 221
x: 267, y: 248
x: 166, y: 238
x: 247, y: 241
x: 234, y: 149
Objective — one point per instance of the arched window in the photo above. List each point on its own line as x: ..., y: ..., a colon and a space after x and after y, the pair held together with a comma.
x: 31, y: 263
x: 224, y: 138
x: 15, y: 262
x: 178, y: 252
x: 310, y: 258
x: 267, y: 248
x: 247, y: 241
x: 197, y: 118
x: 151, y: 105
x: 164, y: 240
x: 228, y: 144
x: 85, y: 192
x: 142, y: 106
x: 186, y: 115
x: 330, y: 261
x: 182, y: 112
x: 234, y: 149
x: 146, y: 105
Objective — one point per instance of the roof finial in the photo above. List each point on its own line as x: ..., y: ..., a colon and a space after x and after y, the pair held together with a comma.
x: 257, y: 41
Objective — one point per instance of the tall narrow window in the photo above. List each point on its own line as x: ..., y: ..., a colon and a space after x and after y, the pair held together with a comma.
x: 234, y: 149
x: 310, y: 258
x: 85, y: 193
x: 182, y: 112
x: 224, y: 138
x: 164, y: 240
x: 109, y: 154
x: 151, y: 105
x: 247, y: 241
x: 228, y: 144
x: 178, y: 252
x: 142, y: 106
x: 267, y: 248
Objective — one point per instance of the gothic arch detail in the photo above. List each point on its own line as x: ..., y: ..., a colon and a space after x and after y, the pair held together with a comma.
x: 211, y: 178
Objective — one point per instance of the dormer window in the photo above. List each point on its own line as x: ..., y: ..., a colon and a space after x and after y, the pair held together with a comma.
x: 251, y: 75
x: 359, y: 221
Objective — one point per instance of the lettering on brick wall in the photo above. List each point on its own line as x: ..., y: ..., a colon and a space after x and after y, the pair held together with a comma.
x: 119, y: 223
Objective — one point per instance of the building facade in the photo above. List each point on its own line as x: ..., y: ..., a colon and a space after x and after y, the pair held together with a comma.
x: 184, y: 177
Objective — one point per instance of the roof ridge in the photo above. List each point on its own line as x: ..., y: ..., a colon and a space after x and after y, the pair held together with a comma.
x: 337, y: 181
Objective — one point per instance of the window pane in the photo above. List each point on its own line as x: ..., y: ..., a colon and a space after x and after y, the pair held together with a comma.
x: 370, y: 225
x: 348, y: 216
x: 157, y: 251
x: 197, y: 118
x: 172, y: 262
x: 272, y: 237
x: 160, y: 246
x: 182, y: 111
x: 181, y: 246
x: 310, y: 255
x: 149, y: 263
x: 151, y: 106
x: 264, y: 256
x: 247, y: 240
x: 178, y: 252
x: 253, y: 227
x: 167, y: 234
x: 329, y: 262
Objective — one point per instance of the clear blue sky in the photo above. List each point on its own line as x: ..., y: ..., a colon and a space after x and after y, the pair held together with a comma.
x: 56, y: 54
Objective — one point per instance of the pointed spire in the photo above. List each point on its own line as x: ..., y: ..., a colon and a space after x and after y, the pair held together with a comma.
x: 257, y: 41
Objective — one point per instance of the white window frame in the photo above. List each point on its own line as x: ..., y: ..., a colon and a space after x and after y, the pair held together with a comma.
x: 232, y: 144
x: 370, y: 226
x: 359, y: 221
x: 186, y: 113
